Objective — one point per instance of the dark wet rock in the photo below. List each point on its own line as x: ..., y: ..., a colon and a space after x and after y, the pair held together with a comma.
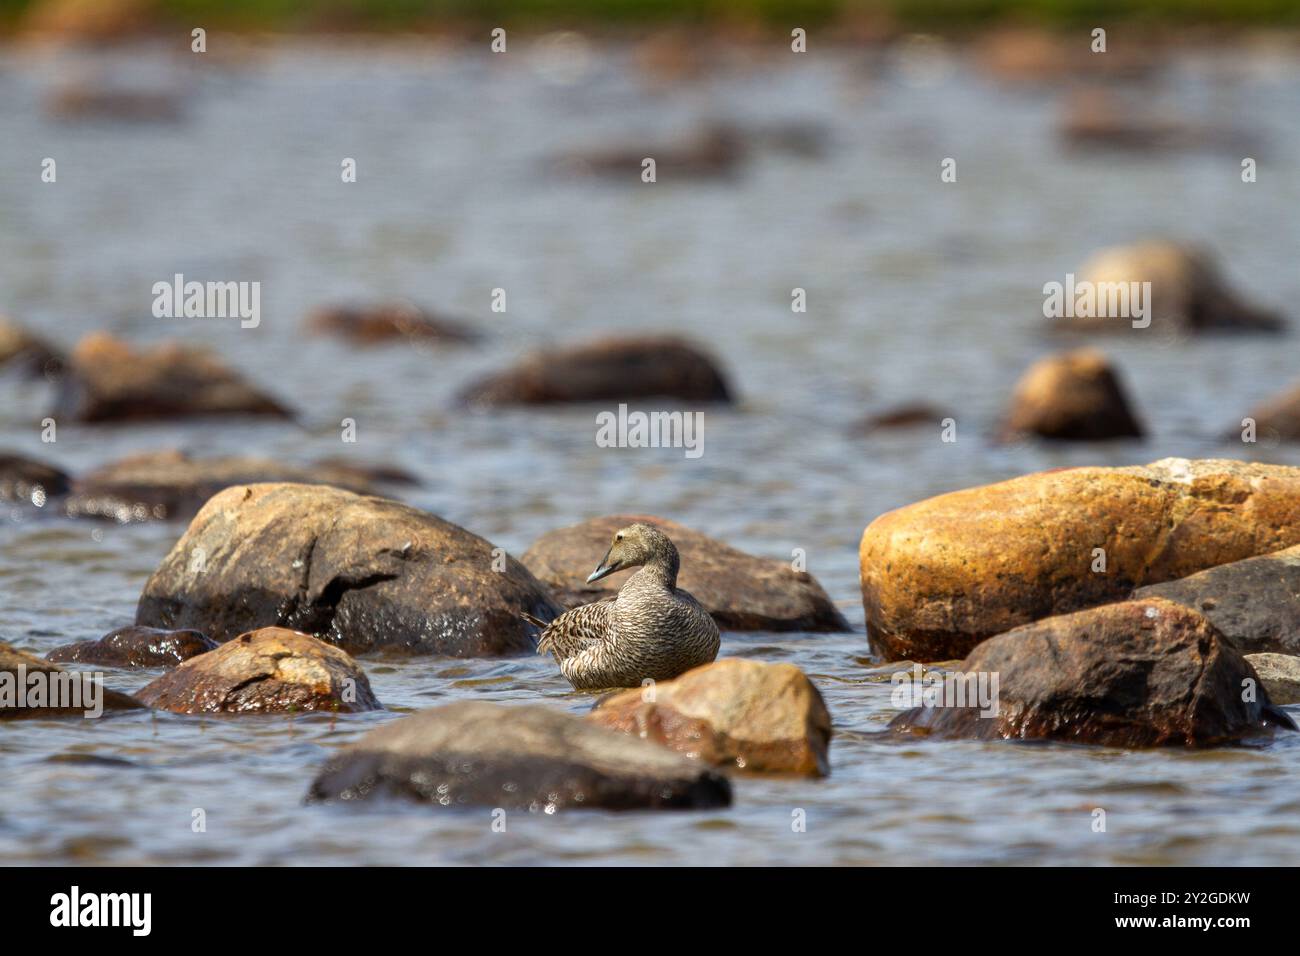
x: 270, y: 670
x: 109, y: 381
x: 16, y: 668
x: 741, y: 591
x: 710, y: 152
x: 941, y: 575
x: 1277, y: 419
x: 134, y: 647
x: 1072, y: 396
x: 762, y: 718
x: 1280, y: 675
x: 610, y: 369
x: 361, y: 572
x: 1254, y: 603
x: 1099, y: 119
x: 23, y: 479
x: 1188, y: 293
x: 172, y: 485
x: 30, y: 354
x: 387, y: 322
x: 528, y: 757
x: 1135, y: 674
x: 914, y: 415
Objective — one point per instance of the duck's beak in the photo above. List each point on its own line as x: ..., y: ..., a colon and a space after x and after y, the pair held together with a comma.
x: 603, y: 569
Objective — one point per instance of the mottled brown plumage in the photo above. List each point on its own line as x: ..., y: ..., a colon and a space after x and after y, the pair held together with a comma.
x: 651, y: 630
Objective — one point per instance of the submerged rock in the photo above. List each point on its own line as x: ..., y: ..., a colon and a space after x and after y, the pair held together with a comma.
x: 361, y: 572
x: 387, y: 322
x: 712, y: 151
x: 765, y: 718
x: 529, y: 757
x: 1097, y: 119
x: 610, y: 369
x: 1072, y: 396
x: 1136, y: 674
x: 29, y: 353
x: 1187, y: 292
x: 1255, y: 603
x: 1280, y: 675
x: 172, y: 485
x: 26, y: 480
x: 941, y: 575
x: 913, y: 415
x: 135, y: 647
x: 270, y: 670
x: 741, y: 591
x: 91, y: 101
x: 1277, y: 419
x: 69, y: 694
x: 111, y: 381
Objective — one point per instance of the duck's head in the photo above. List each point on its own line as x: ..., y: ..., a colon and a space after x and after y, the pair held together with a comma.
x: 634, y: 546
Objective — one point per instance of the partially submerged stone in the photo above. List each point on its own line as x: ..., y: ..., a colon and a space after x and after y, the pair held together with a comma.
x: 763, y: 718
x: 270, y: 670
x: 27, y: 352
x: 741, y: 591
x: 1188, y: 294
x: 527, y: 757
x: 110, y: 381
x: 1276, y: 419
x: 1134, y: 674
x: 1071, y: 396
x: 173, y: 485
x: 387, y: 322
x: 941, y: 575
x: 135, y: 647
x: 31, y: 687
x: 610, y: 369
x: 30, y: 481
x: 1255, y: 603
x: 364, y: 573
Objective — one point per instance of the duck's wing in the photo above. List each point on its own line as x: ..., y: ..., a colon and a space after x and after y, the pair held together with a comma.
x: 575, y: 631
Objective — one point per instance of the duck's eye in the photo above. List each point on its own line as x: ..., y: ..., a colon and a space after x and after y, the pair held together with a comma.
x: 618, y: 537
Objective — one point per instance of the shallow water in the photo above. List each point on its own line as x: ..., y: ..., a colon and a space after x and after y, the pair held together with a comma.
x: 916, y: 290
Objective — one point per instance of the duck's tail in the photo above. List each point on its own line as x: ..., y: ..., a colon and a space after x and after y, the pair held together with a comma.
x: 544, y: 645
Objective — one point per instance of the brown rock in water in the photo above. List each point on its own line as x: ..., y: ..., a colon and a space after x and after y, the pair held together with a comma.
x: 347, y: 473
x: 764, y: 718
x: 387, y: 322
x: 1277, y: 419
x: 913, y: 415
x: 1254, y: 603
x: 172, y: 485
x: 610, y: 369
x: 1280, y: 676
x: 29, y: 353
x: 527, y: 757
x: 91, y: 101
x: 135, y: 647
x: 941, y: 575
x: 1188, y: 294
x: 91, y: 20
x: 109, y: 381
x: 1072, y: 396
x: 69, y: 687
x: 1098, y: 119
x: 270, y: 670
x: 23, y: 479
x: 712, y: 151
x: 1136, y: 674
x: 742, y: 592
x: 1022, y: 54
x: 364, y: 573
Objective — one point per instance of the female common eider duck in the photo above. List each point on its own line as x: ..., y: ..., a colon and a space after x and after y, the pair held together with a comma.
x: 651, y: 630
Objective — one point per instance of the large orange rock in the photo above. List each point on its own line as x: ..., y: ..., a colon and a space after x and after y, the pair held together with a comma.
x: 941, y: 575
x: 731, y: 713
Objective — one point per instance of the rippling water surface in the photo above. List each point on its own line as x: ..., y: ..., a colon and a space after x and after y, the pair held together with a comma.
x: 916, y: 290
